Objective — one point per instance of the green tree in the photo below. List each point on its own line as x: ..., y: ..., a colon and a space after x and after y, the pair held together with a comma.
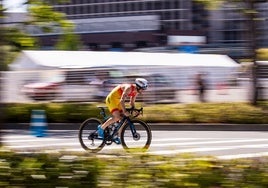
x: 69, y: 41
x: 262, y: 54
x: 42, y: 15
x: 48, y: 20
x: 2, y: 36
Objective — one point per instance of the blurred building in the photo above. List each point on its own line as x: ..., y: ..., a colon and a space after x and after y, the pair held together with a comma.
x: 159, y: 25
x: 127, y: 25
x: 229, y: 30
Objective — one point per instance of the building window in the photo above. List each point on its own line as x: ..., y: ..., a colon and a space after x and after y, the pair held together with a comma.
x: 141, y: 44
x: 177, y: 25
x: 117, y: 7
x: 149, y: 6
x: 167, y: 5
x: 167, y: 15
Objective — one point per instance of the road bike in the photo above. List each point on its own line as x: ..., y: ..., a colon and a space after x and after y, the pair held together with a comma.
x: 135, y: 134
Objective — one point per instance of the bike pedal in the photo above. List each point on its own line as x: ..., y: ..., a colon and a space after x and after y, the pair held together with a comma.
x: 92, y: 136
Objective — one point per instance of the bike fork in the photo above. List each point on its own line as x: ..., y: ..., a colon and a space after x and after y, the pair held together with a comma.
x: 132, y: 128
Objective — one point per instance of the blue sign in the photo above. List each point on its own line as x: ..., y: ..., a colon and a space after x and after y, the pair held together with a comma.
x: 188, y: 49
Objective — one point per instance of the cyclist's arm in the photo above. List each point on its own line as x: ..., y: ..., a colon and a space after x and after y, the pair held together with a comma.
x: 132, y: 101
x: 123, y: 98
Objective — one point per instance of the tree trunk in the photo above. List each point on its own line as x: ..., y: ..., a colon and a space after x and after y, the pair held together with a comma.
x: 2, y: 59
x: 252, y: 38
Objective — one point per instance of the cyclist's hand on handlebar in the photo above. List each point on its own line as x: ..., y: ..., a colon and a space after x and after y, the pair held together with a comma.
x: 135, y: 112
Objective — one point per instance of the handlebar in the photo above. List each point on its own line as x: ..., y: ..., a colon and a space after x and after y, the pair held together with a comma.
x: 135, y: 112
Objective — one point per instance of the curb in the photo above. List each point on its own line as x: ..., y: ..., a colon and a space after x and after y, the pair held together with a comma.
x: 156, y: 126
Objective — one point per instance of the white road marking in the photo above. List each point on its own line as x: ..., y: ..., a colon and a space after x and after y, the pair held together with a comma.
x: 245, y: 155
x: 71, y: 143
x: 202, y: 149
x: 34, y: 140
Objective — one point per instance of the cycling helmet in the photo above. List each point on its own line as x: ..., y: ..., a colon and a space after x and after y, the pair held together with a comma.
x: 141, y: 83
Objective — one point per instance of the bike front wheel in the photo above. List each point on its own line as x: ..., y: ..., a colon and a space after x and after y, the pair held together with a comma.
x: 88, y: 136
x: 136, y: 136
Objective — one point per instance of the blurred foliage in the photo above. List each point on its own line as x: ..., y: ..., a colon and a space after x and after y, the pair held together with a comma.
x: 41, y: 15
x: 47, y: 170
x: 211, y: 4
x: 69, y: 41
x: 129, y: 170
x: 170, y: 113
x: 19, y: 40
x: 207, y: 113
x: 57, y: 113
x: 45, y: 17
x: 262, y: 54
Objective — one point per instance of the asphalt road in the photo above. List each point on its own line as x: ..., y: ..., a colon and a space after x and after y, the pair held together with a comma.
x: 208, y: 140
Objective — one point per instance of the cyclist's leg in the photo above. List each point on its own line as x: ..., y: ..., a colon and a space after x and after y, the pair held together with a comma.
x: 114, y: 118
x: 117, y: 140
x: 100, y: 131
x: 113, y: 104
x: 116, y: 115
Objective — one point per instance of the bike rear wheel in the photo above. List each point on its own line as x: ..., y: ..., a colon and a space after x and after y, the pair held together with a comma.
x: 88, y: 136
x: 141, y: 140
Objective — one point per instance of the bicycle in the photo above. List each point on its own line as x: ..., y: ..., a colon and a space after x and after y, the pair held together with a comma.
x: 135, y: 134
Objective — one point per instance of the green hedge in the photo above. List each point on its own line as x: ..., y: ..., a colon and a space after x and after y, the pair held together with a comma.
x: 55, y: 112
x: 181, y: 113
x: 129, y: 171
x: 262, y: 54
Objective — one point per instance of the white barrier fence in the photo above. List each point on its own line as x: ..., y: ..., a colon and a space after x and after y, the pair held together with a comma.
x: 166, y: 85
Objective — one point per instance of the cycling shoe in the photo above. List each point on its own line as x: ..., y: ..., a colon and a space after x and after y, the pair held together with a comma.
x: 117, y: 140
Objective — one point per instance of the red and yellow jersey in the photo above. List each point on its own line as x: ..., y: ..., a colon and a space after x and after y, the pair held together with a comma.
x: 113, y: 99
x: 120, y: 90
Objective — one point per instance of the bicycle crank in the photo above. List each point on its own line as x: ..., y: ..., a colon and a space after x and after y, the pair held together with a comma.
x: 108, y: 140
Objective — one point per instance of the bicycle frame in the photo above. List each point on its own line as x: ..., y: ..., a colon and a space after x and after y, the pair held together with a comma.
x: 122, y: 122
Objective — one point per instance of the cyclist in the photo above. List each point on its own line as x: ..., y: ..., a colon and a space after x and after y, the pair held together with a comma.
x: 115, y: 102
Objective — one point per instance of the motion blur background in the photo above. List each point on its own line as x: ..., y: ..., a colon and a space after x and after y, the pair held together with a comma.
x: 61, y: 76
x: 42, y: 73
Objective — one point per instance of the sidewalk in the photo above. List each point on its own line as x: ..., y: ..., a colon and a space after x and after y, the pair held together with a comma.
x: 156, y: 126
x: 224, y: 95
